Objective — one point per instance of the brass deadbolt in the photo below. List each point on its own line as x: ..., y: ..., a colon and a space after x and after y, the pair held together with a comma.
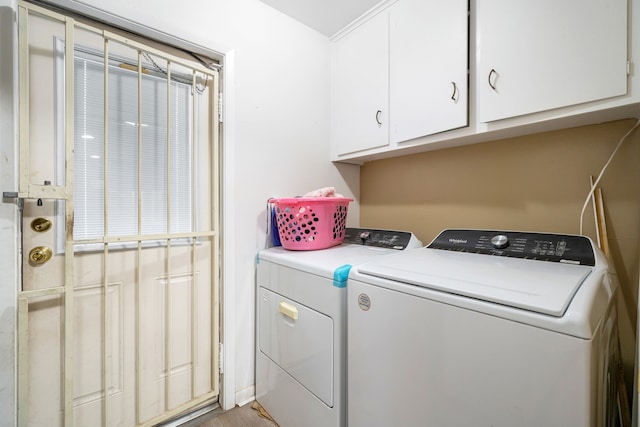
x: 40, y: 225
x: 40, y: 254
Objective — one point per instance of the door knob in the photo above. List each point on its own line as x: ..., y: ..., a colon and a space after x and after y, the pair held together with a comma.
x: 40, y: 254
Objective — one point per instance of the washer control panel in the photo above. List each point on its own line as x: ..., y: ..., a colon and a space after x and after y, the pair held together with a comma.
x: 389, y: 239
x: 570, y: 249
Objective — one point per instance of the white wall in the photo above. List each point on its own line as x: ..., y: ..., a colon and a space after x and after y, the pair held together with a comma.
x: 8, y: 216
x: 276, y: 136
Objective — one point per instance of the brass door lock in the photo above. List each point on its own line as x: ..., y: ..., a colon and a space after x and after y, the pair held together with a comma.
x: 40, y: 225
x: 40, y: 254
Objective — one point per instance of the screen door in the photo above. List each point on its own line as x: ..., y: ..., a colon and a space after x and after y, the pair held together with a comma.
x: 118, y: 315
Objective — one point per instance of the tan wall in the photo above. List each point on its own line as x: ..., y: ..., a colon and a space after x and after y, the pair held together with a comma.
x: 537, y: 183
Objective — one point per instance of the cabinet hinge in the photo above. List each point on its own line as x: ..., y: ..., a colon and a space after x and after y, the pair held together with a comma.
x: 629, y: 65
x: 220, y: 358
x: 220, y: 116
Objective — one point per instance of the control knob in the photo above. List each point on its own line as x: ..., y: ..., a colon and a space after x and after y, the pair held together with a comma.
x: 500, y: 241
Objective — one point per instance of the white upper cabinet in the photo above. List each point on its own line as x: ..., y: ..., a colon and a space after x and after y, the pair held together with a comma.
x: 360, y: 84
x: 539, y: 55
x: 428, y: 67
x: 419, y: 75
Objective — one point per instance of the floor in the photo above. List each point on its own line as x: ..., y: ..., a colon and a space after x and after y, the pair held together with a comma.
x: 249, y: 415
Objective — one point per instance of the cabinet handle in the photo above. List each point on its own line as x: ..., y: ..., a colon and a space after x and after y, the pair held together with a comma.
x: 455, y: 92
x: 491, y: 73
x: 378, y: 117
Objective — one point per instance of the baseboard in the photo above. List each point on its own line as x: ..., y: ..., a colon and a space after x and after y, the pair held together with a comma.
x: 245, y: 395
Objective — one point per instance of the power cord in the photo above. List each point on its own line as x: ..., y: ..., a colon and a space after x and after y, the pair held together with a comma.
x: 604, y: 168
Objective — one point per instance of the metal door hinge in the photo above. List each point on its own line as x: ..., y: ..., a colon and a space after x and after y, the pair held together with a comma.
x: 629, y: 65
x: 220, y: 358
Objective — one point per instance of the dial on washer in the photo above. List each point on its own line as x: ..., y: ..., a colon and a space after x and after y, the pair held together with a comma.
x: 500, y: 241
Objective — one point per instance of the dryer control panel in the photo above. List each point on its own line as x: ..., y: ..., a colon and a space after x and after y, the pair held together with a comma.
x: 389, y: 239
x: 569, y: 249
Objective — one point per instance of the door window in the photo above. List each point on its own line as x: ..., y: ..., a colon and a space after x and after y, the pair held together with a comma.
x: 157, y: 171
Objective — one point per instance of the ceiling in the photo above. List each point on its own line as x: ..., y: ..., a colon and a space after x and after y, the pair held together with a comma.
x: 325, y: 16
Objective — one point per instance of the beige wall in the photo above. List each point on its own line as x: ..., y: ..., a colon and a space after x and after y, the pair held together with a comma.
x: 537, y: 183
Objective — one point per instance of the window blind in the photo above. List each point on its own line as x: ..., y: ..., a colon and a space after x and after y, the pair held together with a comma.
x: 160, y: 165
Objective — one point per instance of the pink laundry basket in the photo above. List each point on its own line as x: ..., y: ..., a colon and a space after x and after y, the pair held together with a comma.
x: 309, y: 223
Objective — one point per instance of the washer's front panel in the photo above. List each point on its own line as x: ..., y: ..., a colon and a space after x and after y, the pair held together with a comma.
x: 416, y: 362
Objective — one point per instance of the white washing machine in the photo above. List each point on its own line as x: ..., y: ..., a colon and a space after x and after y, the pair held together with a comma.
x: 301, y: 326
x: 484, y: 328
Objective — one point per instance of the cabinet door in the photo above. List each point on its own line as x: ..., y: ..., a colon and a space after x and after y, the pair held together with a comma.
x: 428, y: 67
x: 538, y: 55
x: 360, y: 110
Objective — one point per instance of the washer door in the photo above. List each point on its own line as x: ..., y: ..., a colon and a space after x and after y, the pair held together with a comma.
x: 299, y: 340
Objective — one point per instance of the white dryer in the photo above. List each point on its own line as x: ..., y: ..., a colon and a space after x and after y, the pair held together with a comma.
x: 484, y: 328
x: 301, y: 326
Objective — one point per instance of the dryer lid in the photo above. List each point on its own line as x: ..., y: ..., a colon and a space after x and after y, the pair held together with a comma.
x: 537, y: 286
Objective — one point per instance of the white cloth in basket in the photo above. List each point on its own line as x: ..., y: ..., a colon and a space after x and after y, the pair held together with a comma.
x: 323, y: 192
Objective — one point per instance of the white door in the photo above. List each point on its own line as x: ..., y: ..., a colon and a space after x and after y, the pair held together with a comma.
x: 118, y: 312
